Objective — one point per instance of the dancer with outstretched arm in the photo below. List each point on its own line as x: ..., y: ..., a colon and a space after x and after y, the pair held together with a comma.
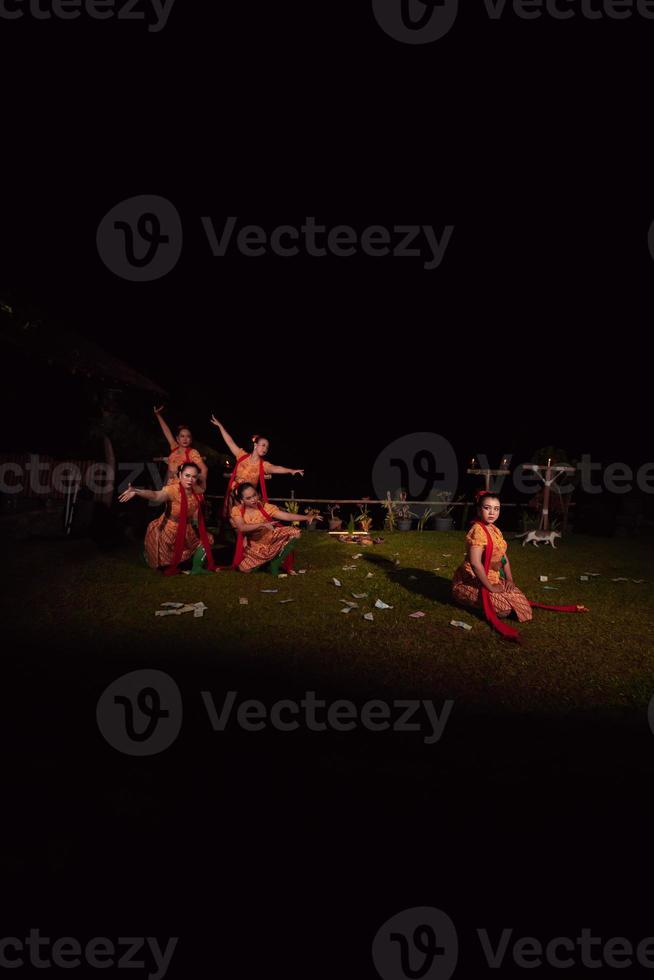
x: 250, y: 467
x: 181, y: 450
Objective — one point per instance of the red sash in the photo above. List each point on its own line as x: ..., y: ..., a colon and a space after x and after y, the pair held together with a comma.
x: 508, y: 632
x: 232, y: 480
x: 180, y: 538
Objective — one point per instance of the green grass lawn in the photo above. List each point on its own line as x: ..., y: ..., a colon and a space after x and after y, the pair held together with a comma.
x: 68, y: 597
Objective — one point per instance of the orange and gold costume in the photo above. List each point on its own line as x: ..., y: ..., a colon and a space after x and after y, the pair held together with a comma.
x: 161, y: 534
x: 466, y: 589
x: 263, y: 546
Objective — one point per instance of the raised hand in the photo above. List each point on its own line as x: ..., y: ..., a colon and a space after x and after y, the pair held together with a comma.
x: 158, y: 411
x: 214, y: 421
x: 297, y: 472
x: 127, y: 495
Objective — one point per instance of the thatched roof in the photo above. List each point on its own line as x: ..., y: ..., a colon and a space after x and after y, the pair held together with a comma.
x: 71, y: 352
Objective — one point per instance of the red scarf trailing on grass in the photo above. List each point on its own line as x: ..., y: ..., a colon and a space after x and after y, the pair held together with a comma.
x: 288, y: 562
x: 180, y: 538
x: 232, y: 480
x: 508, y: 632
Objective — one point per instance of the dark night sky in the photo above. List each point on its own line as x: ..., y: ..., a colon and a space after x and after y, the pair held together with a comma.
x: 533, y: 330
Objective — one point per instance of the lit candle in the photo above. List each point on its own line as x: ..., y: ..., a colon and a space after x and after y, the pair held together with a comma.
x: 549, y: 461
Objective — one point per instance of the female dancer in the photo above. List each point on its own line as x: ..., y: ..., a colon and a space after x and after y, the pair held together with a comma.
x: 181, y: 451
x: 171, y: 538
x: 250, y: 467
x: 484, y: 578
x: 260, y: 539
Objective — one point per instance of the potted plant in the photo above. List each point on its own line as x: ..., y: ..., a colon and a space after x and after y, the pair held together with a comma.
x: 313, y: 513
x: 363, y: 519
x: 335, y: 523
x: 293, y: 507
x: 424, y: 517
x: 441, y: 515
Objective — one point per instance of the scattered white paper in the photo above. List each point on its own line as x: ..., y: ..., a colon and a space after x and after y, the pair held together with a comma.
x: 301, y: 571
x: 282, y: 601
x: 559, y: 578
x: 413, y: 578
x: 368, y: 616
x: 282, y: 575
x: 370, y: 575
x: 449, y: 556
x: 348, y: 568
x: 638, y: 580
x: 360, y: 555
x: 336, y: 583
x: 584, y: 578
x: 360, y: 595
x: 592, y: 574
x: 270, y: 590
x: 397, y: 561
x: 199, y: 610
x: 173, y: 605
x: 243, y: 601
x: 417, y: 615
x: 460, y: 624
x: 351, y: 605
x: 620, y: 579
x: 347, y: 609
x: 543, y: 578
x: 382, y: 605
x: 551, y: 588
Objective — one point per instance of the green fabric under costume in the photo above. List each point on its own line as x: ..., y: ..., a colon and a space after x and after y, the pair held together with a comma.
x: 274, y: 566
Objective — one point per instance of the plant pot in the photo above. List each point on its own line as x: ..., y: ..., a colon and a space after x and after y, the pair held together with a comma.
x: 404, y: 525
x: 443, y: 523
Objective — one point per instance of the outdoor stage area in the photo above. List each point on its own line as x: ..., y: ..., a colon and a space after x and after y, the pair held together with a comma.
x: 91, y: 611
x: 542, y: 744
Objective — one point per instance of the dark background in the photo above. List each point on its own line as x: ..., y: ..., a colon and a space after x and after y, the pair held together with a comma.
x: 532, y: 138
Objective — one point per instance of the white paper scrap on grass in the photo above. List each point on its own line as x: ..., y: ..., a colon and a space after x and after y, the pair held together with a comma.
x: 359, y: 595
x: 173, y: 605
x: 551, y: 588
x: 543, y: 578
x: 360, y: 555
x: 382, y: 605
x: 584, y: 578
x: 282, y: 601
x: 460, y: 624
x: 413, y: 578
x: 243, y: 601
x: 347, y: 609
x: 302, y: 571
x: 270, y: 590
x: 592, y: 574
x: 336, y: 583
x: 370, y: 575
x: 348, y: 568
x: 417, y: 615
x: 350, y: 605
x: 620, y: 579
x: 199, y: 610
x: 368, y: 616
x: 638, y: 580
x: 559, y: 578
x: 282, y: 575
